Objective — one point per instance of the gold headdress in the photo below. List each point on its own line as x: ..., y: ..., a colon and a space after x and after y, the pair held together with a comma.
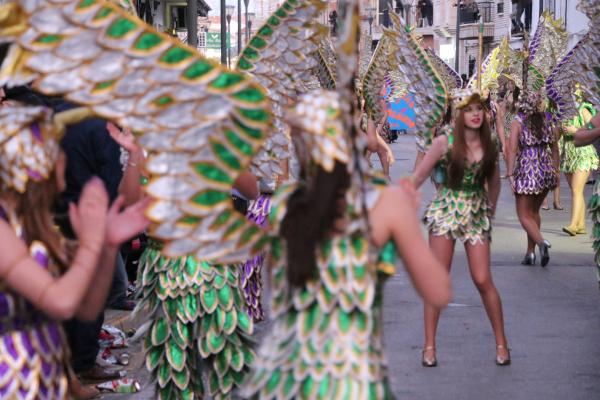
x: 463, y: 97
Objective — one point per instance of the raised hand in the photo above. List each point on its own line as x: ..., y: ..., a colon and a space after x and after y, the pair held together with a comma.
x: 125, y: 224
x: 124, y: 137
x: 88, y: 218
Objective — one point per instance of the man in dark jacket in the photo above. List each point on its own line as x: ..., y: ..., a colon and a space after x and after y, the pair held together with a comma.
x: 90, y: 152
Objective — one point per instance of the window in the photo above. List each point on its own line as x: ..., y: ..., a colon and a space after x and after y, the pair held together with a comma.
x: 500, y: 8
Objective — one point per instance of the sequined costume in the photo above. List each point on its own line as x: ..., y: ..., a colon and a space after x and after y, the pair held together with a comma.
x: 461, y: 213
x: 34, y: 352
x: 200, y: 325
x: 534, y: 167
x: 582, y: 158
x: 326, y: 338
x: 33, y: 348
x: 251, y: 270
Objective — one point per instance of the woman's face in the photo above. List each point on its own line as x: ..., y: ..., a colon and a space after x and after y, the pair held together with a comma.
x: 59, y: 172
x: 474, y: 114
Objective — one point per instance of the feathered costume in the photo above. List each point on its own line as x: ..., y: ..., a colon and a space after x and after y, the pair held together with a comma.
x: 580, y: 66
x: 34, y: 353
x: 201, y: 124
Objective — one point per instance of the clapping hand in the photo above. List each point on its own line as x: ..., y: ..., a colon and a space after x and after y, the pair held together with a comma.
x: 123, y: 137
x: 124, y: 224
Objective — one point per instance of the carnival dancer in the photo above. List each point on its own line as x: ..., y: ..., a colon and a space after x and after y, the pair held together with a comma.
x: 531, y: 165
x: 584, y: 137
x: 576, y: 164
x: 158, y: 273
x: 42, y: 281
x: 329, y: 234
x: 324, y: 273
x: 463, y: 209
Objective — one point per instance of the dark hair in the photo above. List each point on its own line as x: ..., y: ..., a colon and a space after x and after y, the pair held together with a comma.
x: 311, y: 212
x: 537, y: 123
x: 515, y: 100
x: 456, y: 168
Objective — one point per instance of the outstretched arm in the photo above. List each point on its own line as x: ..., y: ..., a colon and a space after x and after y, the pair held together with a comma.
x: 436, y: 151
x: 395, y: 217
x: 585, y: 136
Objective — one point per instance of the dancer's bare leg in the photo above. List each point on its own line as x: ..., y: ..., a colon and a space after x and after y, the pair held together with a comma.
x: 478, y: 256
x: 443, y: 248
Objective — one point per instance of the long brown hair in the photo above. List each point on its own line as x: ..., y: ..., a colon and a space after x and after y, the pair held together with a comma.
x: 34, y: 207
x: 456, y: 168
x: 311, y: 213
x: 536, y: 122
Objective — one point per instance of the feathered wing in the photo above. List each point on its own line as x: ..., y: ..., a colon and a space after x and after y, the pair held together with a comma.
x: 422, y: 80
x: 492, y: 68
x: 579, y: 65
x: 325, y: 69
x: 374, y: 75
x: 201, y: 123
x: 280, y: 57
x: 576, y: 67
x: 548, y: 45
x: 451, y: 78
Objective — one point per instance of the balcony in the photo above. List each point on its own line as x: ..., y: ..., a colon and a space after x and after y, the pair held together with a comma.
x: 470, y: 17
x: 420, y: 16
x: 471, y: 31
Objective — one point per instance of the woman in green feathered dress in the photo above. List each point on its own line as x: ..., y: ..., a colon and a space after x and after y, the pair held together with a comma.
x: 462, y: 209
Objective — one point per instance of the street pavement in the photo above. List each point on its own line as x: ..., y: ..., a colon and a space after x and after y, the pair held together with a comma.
x: 552, y: 317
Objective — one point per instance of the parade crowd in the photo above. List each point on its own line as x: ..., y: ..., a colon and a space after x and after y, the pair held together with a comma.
x: 112, y: 133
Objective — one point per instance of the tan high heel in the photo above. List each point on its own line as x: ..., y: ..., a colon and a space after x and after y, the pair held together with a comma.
x: 502, y: 360
x: 428, y: 361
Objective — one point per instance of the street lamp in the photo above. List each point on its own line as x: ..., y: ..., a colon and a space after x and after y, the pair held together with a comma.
x: 223, y: 32
x: 370, y: 10
x: 458, y: 6
x: 229, y: 9
x: 239, y: 31
x: 246, y: 2
x: 249, y: 19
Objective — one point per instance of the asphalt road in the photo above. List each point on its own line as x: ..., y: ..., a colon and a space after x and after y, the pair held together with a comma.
x: 552, y: 318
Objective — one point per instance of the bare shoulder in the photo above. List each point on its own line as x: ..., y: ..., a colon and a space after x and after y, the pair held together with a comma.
x: 440, y: 143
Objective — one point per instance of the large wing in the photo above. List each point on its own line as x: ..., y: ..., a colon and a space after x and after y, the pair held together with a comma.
x: 374, y: 76
x: 279, y: 56
x: 492, y: 69
x: 325, y: 69
x: 200, y: 122
x: 578, y: 66
x: 422, y: 80
x: 451, y: 78
x: 547, y: 47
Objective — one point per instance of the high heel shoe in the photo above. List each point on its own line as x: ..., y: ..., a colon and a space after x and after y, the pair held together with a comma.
x: 569, y: 231
x: 529, y: 259
x: 557, y: 206
x: 502, y: 360
x: 544, y: 254
x: 582, y: 231
x: 428, y: 361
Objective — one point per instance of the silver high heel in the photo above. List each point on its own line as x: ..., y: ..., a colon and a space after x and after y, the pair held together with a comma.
x: 502, y: 360
x: 544, y: 254
x: 529, y: 259
x: 428, y: 361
